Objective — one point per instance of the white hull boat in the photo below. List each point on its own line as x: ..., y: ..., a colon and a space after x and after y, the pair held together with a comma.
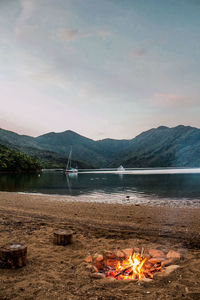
x: 69, y: 168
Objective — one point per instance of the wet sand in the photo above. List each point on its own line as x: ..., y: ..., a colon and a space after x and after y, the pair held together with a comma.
x: 57, y: 272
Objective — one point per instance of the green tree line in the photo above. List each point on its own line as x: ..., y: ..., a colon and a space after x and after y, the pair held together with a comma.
x: 11, y: 160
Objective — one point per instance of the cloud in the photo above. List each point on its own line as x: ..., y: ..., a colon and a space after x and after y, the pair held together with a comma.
x: 104, y: 34
x: 68, y: 35
x: 139, y: 52
x: 85, y: 35
x: 172, y: 100
x: 28, y: 7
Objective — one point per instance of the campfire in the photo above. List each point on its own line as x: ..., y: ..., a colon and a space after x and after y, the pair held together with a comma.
x: 133, y: 264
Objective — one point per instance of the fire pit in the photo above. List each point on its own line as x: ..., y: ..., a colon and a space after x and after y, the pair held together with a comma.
x: 133, y: 264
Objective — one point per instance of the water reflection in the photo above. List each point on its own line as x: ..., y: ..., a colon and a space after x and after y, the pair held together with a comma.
x: 148, y: 188
x: 71, y: 177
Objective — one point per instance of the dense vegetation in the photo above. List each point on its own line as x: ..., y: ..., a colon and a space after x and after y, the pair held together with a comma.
x: 158, y: 147
x: 11, y: 160
x: 52, y: 160
x: 46, y: 157
x: 165, y: 147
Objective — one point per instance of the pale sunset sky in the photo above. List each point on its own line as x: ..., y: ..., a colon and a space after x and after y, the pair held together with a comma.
x: 102, y: 68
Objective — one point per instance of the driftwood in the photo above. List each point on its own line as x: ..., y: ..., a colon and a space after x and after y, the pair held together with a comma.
x: 13, y: 256
x: 62, y: 237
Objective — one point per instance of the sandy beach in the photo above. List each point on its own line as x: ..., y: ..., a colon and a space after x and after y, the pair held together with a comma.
x: 60, y: 272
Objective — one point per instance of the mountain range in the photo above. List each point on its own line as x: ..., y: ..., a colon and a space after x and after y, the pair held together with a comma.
x: 158, y: 147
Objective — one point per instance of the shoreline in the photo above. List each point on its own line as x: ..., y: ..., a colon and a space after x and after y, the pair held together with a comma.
x: 159, y: 202
x: 57, y: 272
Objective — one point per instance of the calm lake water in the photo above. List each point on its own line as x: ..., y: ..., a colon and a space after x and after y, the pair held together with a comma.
x: 170, y: 187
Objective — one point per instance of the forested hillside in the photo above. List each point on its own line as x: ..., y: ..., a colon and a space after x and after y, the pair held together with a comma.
x: 32, y: 147
x: 157, y: 147
x: 11, y: 160
x: 165, y: 147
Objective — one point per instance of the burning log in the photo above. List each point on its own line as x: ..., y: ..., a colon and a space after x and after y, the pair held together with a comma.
x: 62, y: 237
x: 123, y: 272
x: 13, y: 256
x: 133, y: 264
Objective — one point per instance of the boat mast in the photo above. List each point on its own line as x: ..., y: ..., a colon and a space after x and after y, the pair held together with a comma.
x: 69, y: 159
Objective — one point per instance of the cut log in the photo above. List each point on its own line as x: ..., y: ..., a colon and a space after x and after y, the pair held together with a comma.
x: 13, y: 256
x: 62, y: 237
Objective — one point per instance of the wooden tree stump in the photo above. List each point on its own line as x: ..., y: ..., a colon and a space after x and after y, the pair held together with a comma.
x: 13, y: 256
x: 62, y: 237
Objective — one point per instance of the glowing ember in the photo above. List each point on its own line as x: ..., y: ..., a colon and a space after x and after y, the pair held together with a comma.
x: 133, y: 264
x: 131, y: 268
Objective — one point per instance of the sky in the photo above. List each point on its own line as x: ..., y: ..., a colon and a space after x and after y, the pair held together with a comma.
x: 102, y: 68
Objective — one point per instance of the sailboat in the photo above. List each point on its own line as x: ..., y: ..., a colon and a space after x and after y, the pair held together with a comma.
x: 121, y: 168
x: 69, y: 168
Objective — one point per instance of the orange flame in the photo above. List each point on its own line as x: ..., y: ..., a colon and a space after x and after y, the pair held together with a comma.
x: 131, y: 268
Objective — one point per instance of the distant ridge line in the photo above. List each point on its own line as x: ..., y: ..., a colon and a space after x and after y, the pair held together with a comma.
x: 163, y: 146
